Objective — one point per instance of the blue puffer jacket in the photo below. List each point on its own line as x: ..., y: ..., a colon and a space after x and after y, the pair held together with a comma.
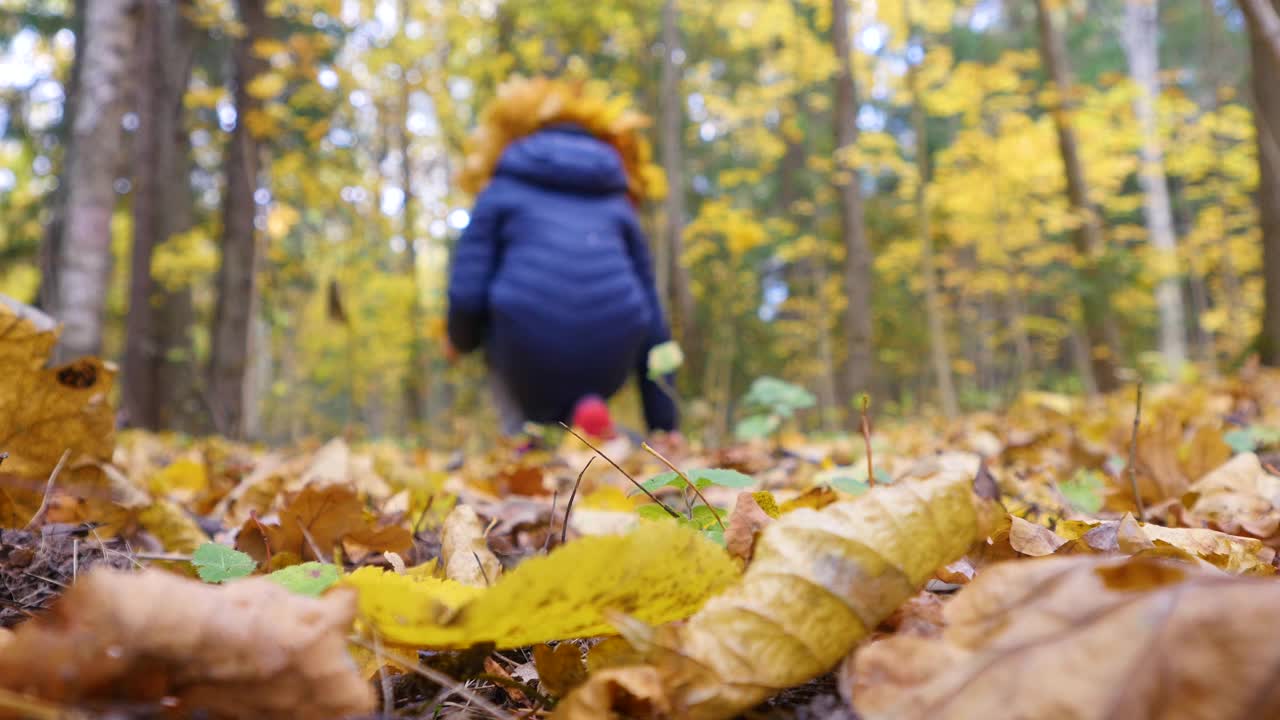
x: 553, y: 277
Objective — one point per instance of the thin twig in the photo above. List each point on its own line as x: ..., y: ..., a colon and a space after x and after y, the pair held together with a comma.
x: 513, y: 684
x: 439, y: 678
x: 649, y: 449
x: 175, y: 557
x: 625, y: 474
x: 480, y: 565
x: 866, y: 439
x: 1133, y: 449
x: 38, y: 518
x: 311, y: 543
x: 546, y: 542
x: 564, y: 527
x: 384, y: 680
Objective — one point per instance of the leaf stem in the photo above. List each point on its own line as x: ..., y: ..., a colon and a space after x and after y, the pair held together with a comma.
x: 1133, y: 449
x: 866, y: 439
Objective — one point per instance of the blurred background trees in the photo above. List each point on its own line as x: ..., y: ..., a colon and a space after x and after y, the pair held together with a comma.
x: 250, y: 203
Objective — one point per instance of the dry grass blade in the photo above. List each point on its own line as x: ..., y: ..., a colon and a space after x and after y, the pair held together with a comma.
x: 48, y: 490
x: 625, y: 474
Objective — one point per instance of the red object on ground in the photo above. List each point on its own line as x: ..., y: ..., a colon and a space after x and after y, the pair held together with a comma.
x: 591, y: 415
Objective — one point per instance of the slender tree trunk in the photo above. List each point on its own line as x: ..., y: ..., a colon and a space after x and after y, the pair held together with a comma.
x: 1264, y: 25
x: 84, y: 249
x: 228, y: 362
x: 938, y: 352
x: 1099, y: 326
x: 51, y: 248
x: 160, y: 141
x: 416, y: 374
x: 860, y: 359
x: 681, y: 297
x: 1263, y: 41
x: 1141, y: 29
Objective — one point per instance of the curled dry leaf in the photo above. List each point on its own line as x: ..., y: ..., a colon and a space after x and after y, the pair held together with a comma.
x: 659, y: 572
x: 1031, y: 539
x: 249, y: 649
x: 466, y: 554
x: 746, y: 520
x: 1234, y: 554
x: 1142, y: 637
x: 1240, y: 498
x: 819, y: 583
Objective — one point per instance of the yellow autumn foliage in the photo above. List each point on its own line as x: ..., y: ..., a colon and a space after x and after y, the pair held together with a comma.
x: 525, y: 105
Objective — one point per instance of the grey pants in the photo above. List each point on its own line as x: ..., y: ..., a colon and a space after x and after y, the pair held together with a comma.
x: 511, y: 419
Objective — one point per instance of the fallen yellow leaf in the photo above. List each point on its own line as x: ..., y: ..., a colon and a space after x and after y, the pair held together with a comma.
x: 659, y: 572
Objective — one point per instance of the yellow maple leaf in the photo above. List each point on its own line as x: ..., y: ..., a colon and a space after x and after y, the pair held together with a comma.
x: 45, y: 412
x: 658, y: 573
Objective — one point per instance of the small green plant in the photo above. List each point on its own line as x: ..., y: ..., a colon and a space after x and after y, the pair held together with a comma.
x: 216, y: 563
x: 1252, y: 438
x: 1084, y: 491
x: 771, y: 403
x: 701, y: 517
x: 309, y: 578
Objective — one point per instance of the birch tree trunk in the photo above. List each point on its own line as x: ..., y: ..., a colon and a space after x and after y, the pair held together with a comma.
x: 1141, y: 28
x: 84, y: 248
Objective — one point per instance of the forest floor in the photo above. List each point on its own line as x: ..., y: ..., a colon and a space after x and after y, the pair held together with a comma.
x: 147, y: 575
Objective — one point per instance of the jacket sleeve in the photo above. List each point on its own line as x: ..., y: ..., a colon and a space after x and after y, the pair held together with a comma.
x: 475, y: 262
x: 659, y: 407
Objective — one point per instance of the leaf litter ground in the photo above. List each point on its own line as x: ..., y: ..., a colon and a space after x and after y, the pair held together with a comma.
x: 342, y: 578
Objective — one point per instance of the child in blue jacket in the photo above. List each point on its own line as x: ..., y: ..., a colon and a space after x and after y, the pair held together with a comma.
x: 552, y: 278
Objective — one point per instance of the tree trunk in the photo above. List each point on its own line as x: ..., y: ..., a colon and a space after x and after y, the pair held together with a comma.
x: 938, y: 353
x: 681, y: 298
x: 860, y: 359
x: 84, y: 248
x: 236, y: 284
x: 50, y: 249
x: 1266, y: 117
x: 1099, y: 326
x: 1141, y: 28
x: 415, y: 376
x: 1264, y: 25
x: 164, y: 69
